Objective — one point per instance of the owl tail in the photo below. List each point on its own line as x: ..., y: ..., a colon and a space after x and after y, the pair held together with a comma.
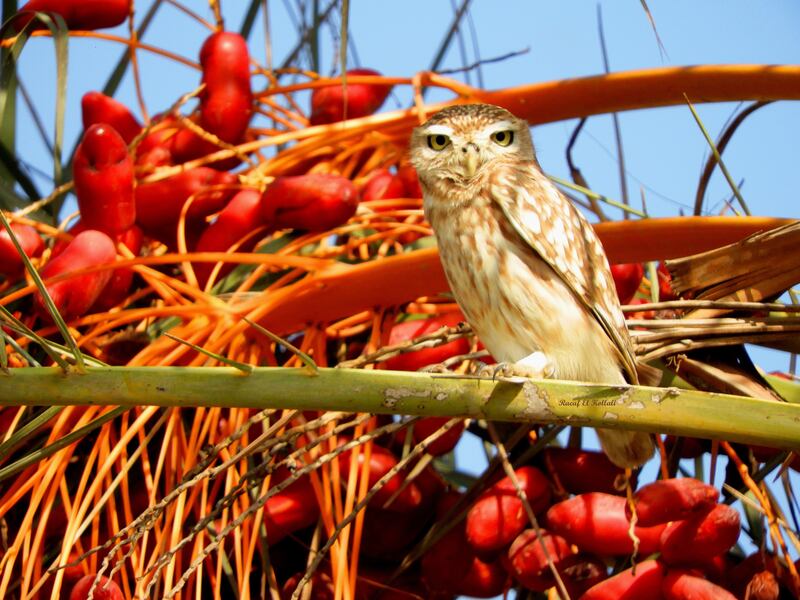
x: 626, y: 449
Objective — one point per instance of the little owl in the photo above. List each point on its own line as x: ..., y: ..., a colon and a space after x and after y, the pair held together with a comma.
x: 525, y: 266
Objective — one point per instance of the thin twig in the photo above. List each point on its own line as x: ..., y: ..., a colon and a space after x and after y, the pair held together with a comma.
x: 485, y: 61
x: 428, y: 340
x: 722, y: 143
x: 721, y: 304
x: 623, y: 181
x: 717, y: 157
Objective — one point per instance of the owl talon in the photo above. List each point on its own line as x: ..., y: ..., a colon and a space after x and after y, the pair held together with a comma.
x: 533, y: 366
x: 536, y: 366
x: 504, y: 371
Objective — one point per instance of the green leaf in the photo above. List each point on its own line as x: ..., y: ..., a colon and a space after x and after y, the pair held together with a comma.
x: 48, y: 301
x: 459, y: 479
x: 40, y: 454
x: 422, y: 243
x: 232, y: 281
x: 3, y: 352
x: 718, y: 158
x: 8, y: 86
x: 12, y: 167
x: 249, y: 18
x: 6, y: 339
x: 8, y: 118
x: 305, y: 358
x: 23, y: 434
x: 8, y: 199
x: 243, y: 367
x: 788, y: 390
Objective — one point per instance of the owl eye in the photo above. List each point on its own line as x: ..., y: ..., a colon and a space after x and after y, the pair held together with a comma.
x: 438, y: 141
x: 503, y: 138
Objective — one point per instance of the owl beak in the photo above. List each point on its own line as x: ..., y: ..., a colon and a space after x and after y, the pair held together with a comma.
x: 469, y: 159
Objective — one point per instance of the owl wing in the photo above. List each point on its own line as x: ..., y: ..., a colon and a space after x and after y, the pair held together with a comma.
x: 562, y: 237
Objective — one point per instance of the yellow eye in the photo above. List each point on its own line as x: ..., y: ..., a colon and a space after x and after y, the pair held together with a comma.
x: 438, y: 141
x: 503, y: 138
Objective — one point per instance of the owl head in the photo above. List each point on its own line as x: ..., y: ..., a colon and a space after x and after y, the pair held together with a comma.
x: 463, y: 142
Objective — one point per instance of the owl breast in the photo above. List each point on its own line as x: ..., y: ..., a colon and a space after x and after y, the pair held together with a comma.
x: 514, y: 300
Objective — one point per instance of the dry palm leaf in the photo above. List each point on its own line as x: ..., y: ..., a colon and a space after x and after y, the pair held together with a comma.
x: 759, y: 267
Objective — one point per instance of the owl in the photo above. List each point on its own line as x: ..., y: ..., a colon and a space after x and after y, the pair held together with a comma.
x: 526, y: 268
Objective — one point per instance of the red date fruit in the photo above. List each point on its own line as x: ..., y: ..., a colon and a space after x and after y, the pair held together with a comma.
x: 739, y: 574
x: 665, y: 291
x: 314, y: 202
x: 73, y: 297
x: 672, y: 500
x: 431, y: 485
x: 11, y: 265
x: 526, y: 560
x: 627, y: 278
x: 408, y: 330
x: 680, y: 584
x: 690, y: 447
x: 579, y: 572
x: 321, y: 584
x: 381, y: 461
x: 226, y: 103
x: 698, y: 539
x: 240, y: 217
x: 579, y: 471
x: 104, y: 590
x: 155, y: 149
x: 443, y: 444
x: 645, y: 584
x: 159, y: 204
x: 498, y: 515
x: 98, y: 108
x: 765, y: 454
x: 451, y: 567
x: 484, y: 579
x: 763, y: 586
x: 119, y: 285
x: 389, y: 533
x: 596, y: 523
x: 81, y: 14
x: 408, y: 175
x: 291, y: 509
x: 103, y: 173
x: 382, y: 185
x: 330, y: 103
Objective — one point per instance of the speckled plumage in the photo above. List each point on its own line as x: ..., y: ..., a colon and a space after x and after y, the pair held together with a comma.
x: 525, y: 266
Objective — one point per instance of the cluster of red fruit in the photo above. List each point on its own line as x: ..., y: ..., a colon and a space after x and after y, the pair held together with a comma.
x: 681, y: 533
x: 119, y: 205
x: 678, y: 519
